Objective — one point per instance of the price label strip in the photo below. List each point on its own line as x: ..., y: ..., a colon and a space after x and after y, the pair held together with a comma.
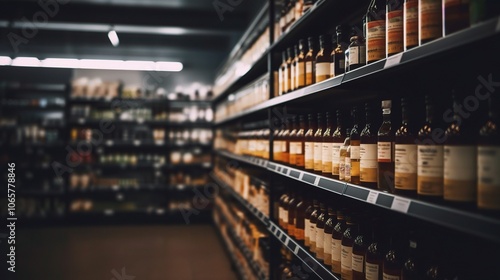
x: 372, y: 197
x: 393, y: 60
x: 401, y: 204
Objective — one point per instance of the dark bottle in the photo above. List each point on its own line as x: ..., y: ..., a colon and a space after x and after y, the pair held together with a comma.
x: 410, y: 24
x: 289, y: 68
x: 318, y: 146
x: 337, y: 65
x: 405, y: 173
x: 430, y: 20
x: 338, y: 138
x: 292, y: 140
x: 313, y: 230
x: 412, y: 264
x: 361, y: 242
x: 309, y: 61
x: 393, y: 260
x: 299, y: 144
x: 277, y: 144
x: 307, y: 222
x: 300, y: 214
x: 320, y: 232
x: 285, y: 141
x: 295, y: 54
x: 300, y: 68
x: 430, y: 156
x: 375, y: 31
x: 309, y: 144
x: 331, y: 221
x: 375, y: 253
x: 357, y: 53
x: 322, y: 64
x: 281, y: 212
x: 326, y: 153
x: 456, y: 15
x: 368, y: 152
x: 394, y: 25
x: 385, y: 150
x: 337, y: 234
x: 348, y: 237
x: 286, y: 201
x: 283, y: 75
x: 292, y: 208
x: 355, y: 147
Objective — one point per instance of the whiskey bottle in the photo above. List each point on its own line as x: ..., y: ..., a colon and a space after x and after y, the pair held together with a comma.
x: 309, y: 144
x: 343, y: 155
x: 337, y: 59
x: 375, y: 31
x: 326, y: 153
x: 374, y: 257
x: 337, y: 235
x: 338, y: 138
x: 284, y: 215
x: 277, y: 144
x: 322, y: 64
x: 320, y: 232
x: 300, y: 69
x: 318, y: 146
x: 331, y: 221
x: 300, y: 214
x: 394, y: 22
x: 285, y: 141
x: 299, y: 144
x: 354, y: 148
x: 410, y: 24
x: 359, y: 247
x: 405, y: 175
x: 281, y: 212
x: 412, y: 264
x: 292, y: 139
x: 456, y: 15
x: 291, y: 69
x: 313, y: 230
x: 430, y: 20
x: 392, y: 261
x: 346, y: 248
x: 292, y: 208
x: 283, y: 75
x: 368, y: 152
x: 309, y: 61
x: 385, y: 150
x: 357, y: 53
x: 307, y: 222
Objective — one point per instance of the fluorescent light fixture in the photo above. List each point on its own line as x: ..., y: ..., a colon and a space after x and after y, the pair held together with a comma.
x: 26, y: 62
x: 169, y: 66
x: 60, y: 62
x: 113, y: 37
x: 5, y: 60
x: 102, y: 64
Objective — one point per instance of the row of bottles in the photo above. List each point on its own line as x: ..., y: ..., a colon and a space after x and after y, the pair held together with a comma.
x: 456, y: 161
x: 253, y: 143
x: 291, y: 11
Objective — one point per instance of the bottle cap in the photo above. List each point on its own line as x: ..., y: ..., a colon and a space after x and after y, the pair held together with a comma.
x: 386, y: 104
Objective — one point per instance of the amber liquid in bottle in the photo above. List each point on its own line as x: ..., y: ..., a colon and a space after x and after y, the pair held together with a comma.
x: 410, y: 24
x: 405, y: 174
x: 300, y: 69
x: 295, y: 54
x: 337, y: 235
x: 318, y: 146
x: 313, y: 230
x: 322, y: 64
x: 394, y: 23
x: 385, y: 150
x: 331, y: 221
x: 281, y: 212
x: 299, y: 144
x: 326, y: 154
x: 368, y: 152
x: 338, y: 138
x: 292, y: 139
x: 285, y: 141
x: 289, y: 68
x: 283, y: 75
x: 309, y: 61
x: 344, y: 170
x: 300, y: 213
x: 355, y: 147
x: 309, y: 144
x: 277, y: 145
x: 346, y: 249
x: 375, y: 31
x: 286, y: 201
x: 292, y: 208
x: 359, y: 247
x: 320, y: 232
x: 337, y: 66
x: 430, y: 20
x: 307, y: 222
x: 456, y: 15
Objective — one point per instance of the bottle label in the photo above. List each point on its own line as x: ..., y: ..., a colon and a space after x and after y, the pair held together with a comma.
x: 346, y: 262
x: 460, y: 173
x: 312, y: 233
x: 320, y: 240
x: 372, y: 271
x: 342, y: 65
x: 405, y: 177
x: 309, y: 155
x: 277, y: 146
x: 336, y: 158
x: 358, y: 261
x: 342, y: 168
x: 430, y: 19
x: 384, y: 151
x: 332, y: 69
x: 411, y: 22
x: 368, y: 162
x: 327, y: 247
x: 291, y: 148
x: 430, y: 170
x: 357, y: 55
x: 297, y: 148
x: 375, y: 43
x: 326, y: 158
x: 285, y: 217
x: 284, y: 147
x: 488, y: 177
x: 309, y: 72
x: 355, y: 152
x: 336, y: 249
x: 300, y: 74
x: 307, y: 226
x: 395, y: 32
x: 390, y: 277
x: 318, y: 157
x: 280, y: 214
x: 322, y: 71
x: 347, y: 169
x: 293, y: 77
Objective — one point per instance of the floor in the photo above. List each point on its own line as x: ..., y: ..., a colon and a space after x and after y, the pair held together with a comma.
x: 123, y: 253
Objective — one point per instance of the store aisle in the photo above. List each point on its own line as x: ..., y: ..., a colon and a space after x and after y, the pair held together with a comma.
x: 146, y: 252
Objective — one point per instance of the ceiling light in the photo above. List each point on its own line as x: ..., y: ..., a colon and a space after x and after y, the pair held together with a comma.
x: 5, y: 60
x: 26, y: 62
x: 60, y: 62
x: 113, y: 37
x: 107, y: 64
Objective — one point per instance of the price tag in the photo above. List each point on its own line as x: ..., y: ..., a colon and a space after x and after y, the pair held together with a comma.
x: 400, y: 204
x: 296, y: 251
x: 372, y: 197
x: 316, y: 181
x: 109, y: 142
x: 287, y: 240
x: 393, y: 60
x: 137, y: 142
x: 301, y: 175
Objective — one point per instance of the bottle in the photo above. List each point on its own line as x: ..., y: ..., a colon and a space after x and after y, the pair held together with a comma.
x: 309, y: 61
x: 456, y: 15
x: 331, y: 220
x: 322, y: 63
x: 337, y: 234
x: 354, y: 148
x: 300, y: 69
x: 410, y: 24
x: 307, y: 222
x: 357, y: 53
x: 292, y: 208
x: 430, y: 157
x: 430, y: 20
x: 289, y: 62
x: 338, y: 138
x: 385, y: 150
x: 359, y: 247
x: 282, y: 22
x: 346, y: 248
x: 374, y: 257
x: 277, y: 144
x: 342, y: 157
x: 347, y: 166
x: 326, y: 154
x: 318, y: 146
x: 368, y: 153
x: 405, y: 174
x: 411, y: 265
x: 300, y: 213
x: 320, y: 232
x: 488, y: 160
x: 313, y: 231
x: 298, y: 9
x: 309, y: 144
x: 293, y: 72
x: 337, y: 59
x: 292, y: 139
x: 394, y: 22
x: 392, y: 261
x: 283, y: 75
x: 460, y: 155
x: 286, y: 201
x: 299, y: 144
x: 291, y: 13
x: 281, y: 212
x: 375, y: 31
x: 285, y: 141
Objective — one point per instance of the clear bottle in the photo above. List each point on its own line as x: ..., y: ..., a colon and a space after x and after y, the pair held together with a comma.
x: 368, y: 152
x: 394, y: 27
x: 337, y: 59
x: 410, y: 24
x: 322, y: 63
x: 405, y: 172
x: 430, y: 20
x: 318, y: 146
x: 320, y: 232
x: 385, y: 150
x: 300, y: 69
x: 354, y: 148
x: 375, y: 31
x: 326, y: 154
x: 357, y: 53
x: 309, y: 61
x: 343, y: 156
x: 309, y: 144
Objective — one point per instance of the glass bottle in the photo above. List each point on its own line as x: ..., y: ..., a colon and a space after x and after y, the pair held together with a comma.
x: 281, y: 212
x: 309, y: 61
x: 375, y: 31
x: 292, y: 208
x: 343, y: 155
x: 337, y: 59
x: 309, y: 144
x: 322, y: 64
x: 299, y: 4
x: 326, y: 154
x: 313, y: 230
x: 337, y: 234
x: 291, y: 13
x: 286, y: 201
x: 430, y: 20
x: 357, y: 53
x: 318, y: 146
x: 292, y: 139
x: 338, y: 138
x: 277, y: 144
x: 300, y: 69
x: 405, y: 171
x: 394, y: 23
x: 285, y: 141
x: 411, y: 265
x: 320, y: 232
x: 289, y: 69
x: 392, y: 261
x: 283, y: 75
x: 368, y: 152
x: 374, y: 257
x: 456, y: 15
x: 359, y: 247
x: 348, y: 237
x: 410, y: 24
x: 307, y: 222
x: 354, y: 148
x: 385, y: 150
x: 295, y: 54
x: 488, y: 160
x: 299, y: 148
x: 430, y: 156
x: 300, y: 214
x: 331, y: 221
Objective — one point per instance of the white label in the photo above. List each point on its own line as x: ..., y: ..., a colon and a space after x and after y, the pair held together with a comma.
x: 318, y: 148
x: 358, y: 261
x: 280, y: 213
x: 400, y: 204
x: 371, y: 271
x: 277, y: 146
x: 393, y: 60
x: 406, y: 158
x: 326, y: 154
x: 336, y: 153
x: 323, y: 69
x: 327, y: 245
x: 285, y: 216
x: 368, y: 156
x: 309, y: 151
x: 296, y: 148
x: 316, y: 181
x: 307, y: 226
x: 299, y: 69
x: 332, y: 69
x: 309, y: 67
x: 460, y: 163
x: 312, y: 232
x: 384, y: 151
x: 390, y: 277
x: 353, y: 55
x: 430, y: 161
x: 336, y: 249
x: 346, y: 261
x: 488, y: 166
x: 355, y: 152
x: 372, y: 197
x: 320, y: 239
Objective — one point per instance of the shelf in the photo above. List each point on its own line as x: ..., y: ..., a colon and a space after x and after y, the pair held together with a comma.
x: 163, y: 123
x: 39, y: 193
x: 470, y: 222
x: 137, y: 102
x: 35, y: 87
x: 125, y: 144
x: 127, y: 166
x: 118, y: 189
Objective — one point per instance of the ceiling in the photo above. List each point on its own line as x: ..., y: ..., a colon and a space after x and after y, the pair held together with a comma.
x: 189, y: 31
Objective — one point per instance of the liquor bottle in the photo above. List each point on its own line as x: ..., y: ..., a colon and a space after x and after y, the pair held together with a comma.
x: 289, y: 68
x: 285, y: 141
x: 291, y: 13
x: 307, y: 222
x: 338, y: 138
x: 405, y: 174
x: 299, y: 4
x: 337, y: 234
x: 359, y: 247
x: 368, y: 152
x: 292, y: 208
x: 337, y: 59
x: 460, y: 155
x: 300, y: 214
x: 488, y: 160
x: 392, y: 261
x: 430, y: 157
x: 309, y: 61
x: 374, y: 257
x: 322, y: 64
x: 326, y: 153
x: 331, y: 221
x: 411, y: 265
x: 410, y: 24
x: 346, y: 248
x: 343, y: 155
x: 281, y: 212
x: 277, y: 144
x: 320, y: 232
x: 394, y: 22
x: 347, y: 165
x: 286, y: 202
x: 430, y: 20
x: 309, y: 144
x: 318, y: 146
x: 375, y: 31
x: 283, y: 75
x: 354, y: 148
x: 295, y: 54
x: 282, y: 22
x: 300, y: 68
x: 357, y: 53
x: 292, y: 137
x: 385, y: 150
x: 456, y: 15
x: 299, y: 144
x: 313, y: 230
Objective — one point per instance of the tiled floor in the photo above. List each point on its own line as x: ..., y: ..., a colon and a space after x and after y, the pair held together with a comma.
x: 120, y: 252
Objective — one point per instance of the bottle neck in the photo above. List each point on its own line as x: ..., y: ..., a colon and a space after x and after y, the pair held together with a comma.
x: 386, y: 115
x: 405, y: 115
x: 429, y: 113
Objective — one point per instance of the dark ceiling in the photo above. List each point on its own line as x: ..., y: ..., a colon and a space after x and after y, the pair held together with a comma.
x: 190, y: 31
